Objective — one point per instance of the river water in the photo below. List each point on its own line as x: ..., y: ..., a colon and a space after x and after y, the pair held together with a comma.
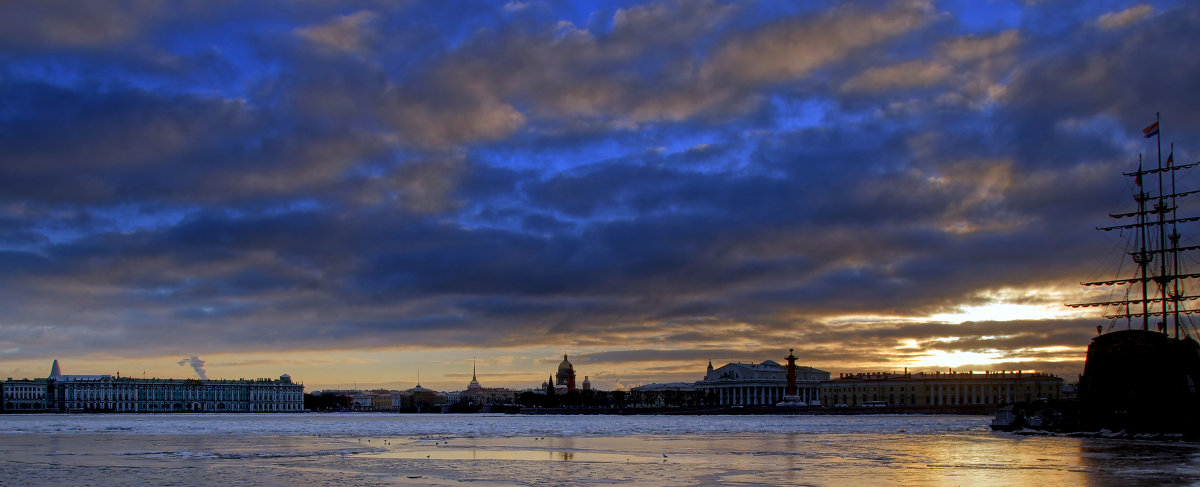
x: 299, y: 450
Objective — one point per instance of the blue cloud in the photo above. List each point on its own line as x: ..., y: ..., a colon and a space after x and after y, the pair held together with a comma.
x: 355, y: 174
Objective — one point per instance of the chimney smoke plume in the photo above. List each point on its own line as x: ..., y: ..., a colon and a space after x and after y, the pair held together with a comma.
x: 197, y: 365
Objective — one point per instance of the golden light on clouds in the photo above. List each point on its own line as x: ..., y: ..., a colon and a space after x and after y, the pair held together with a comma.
x: 960, y: 358
x: 995, y: 305
x: 1008, y: 304
x: 941, y: 358
x: 983, y: 332
x: 1005, y: 312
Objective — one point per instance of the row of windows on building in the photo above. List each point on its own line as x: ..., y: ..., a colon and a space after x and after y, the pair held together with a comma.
x: 943, y: 390
x: 765, y: 384
x: 23, y: 394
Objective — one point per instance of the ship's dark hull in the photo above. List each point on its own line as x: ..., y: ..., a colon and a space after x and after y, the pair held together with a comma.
x: 1141, y: 382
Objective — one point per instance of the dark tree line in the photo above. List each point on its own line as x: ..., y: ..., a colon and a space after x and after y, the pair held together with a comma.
x: 574, y: 399
x: 328, y: 402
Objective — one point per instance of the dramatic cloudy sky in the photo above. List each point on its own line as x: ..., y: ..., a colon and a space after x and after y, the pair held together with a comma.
x: 355, y: 191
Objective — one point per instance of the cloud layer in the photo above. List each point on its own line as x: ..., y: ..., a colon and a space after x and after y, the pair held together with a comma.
x: 647, y: 187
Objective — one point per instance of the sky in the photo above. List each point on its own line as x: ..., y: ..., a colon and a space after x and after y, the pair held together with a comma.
x: 373, y: 193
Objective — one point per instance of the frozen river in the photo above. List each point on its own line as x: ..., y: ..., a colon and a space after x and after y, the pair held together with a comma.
x: 301, y: 450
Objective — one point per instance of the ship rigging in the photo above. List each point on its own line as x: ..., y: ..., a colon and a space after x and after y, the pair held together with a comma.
x: 1132, y: 376
x: 1157, y: 291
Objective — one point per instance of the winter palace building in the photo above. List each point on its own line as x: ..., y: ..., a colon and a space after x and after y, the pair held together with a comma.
x: 105, y: 393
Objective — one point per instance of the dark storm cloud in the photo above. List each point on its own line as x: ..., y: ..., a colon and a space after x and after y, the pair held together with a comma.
x: 705, y: 175
x: 67, y: 24
x: 65, y: 145
x: 1124, y: 71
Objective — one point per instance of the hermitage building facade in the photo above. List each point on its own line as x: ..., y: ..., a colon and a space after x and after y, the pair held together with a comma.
x: 105, y: 393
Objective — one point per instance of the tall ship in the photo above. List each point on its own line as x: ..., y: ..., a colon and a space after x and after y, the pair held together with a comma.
x: 1143, y: 369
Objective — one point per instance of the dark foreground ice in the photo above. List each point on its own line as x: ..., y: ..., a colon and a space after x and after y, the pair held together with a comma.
x: 379, y: 449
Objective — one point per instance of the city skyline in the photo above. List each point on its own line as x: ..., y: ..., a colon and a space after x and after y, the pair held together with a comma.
x: 349, y: 192
x: 199, y: 371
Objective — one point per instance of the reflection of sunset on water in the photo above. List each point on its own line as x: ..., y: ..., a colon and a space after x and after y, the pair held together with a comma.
x: 323, y: 449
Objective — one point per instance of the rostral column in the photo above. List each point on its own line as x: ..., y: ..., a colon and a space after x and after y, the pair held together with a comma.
x: 791, y: 374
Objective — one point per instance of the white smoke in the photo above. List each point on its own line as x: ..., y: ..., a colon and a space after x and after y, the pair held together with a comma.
x: 197, y: 365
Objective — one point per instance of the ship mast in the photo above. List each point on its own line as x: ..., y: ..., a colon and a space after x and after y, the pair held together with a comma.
x: 1175, y: 295
x: 1154, y: 240
x: 1160, y: 207
x: 1143, y: 259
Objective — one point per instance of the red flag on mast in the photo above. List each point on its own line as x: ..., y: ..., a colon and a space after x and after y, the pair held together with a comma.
x: 1150, y: 131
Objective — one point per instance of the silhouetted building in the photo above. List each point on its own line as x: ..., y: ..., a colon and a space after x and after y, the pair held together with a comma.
x: 419, y: 397
x: 761, y: 384
x: 938, y: 389
x: 672, y: 394
x: 566, y: 374
x: 483, y: 396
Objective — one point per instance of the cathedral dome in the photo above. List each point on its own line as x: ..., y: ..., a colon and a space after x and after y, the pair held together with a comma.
x: 566, y: 375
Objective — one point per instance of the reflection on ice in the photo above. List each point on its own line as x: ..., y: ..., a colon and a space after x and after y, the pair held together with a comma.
x: 476, y: 425
x: 232, y: 455
x: 523, y: 455
x: 313, y: 449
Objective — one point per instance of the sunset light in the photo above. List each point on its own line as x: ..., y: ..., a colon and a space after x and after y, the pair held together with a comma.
x: 941, y: 359
x: 1007, y: 312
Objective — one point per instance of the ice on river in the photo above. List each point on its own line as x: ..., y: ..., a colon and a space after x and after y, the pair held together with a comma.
x: 300, y: 450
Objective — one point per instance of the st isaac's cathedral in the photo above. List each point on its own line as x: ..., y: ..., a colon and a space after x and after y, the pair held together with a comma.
x: 564, y: 381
